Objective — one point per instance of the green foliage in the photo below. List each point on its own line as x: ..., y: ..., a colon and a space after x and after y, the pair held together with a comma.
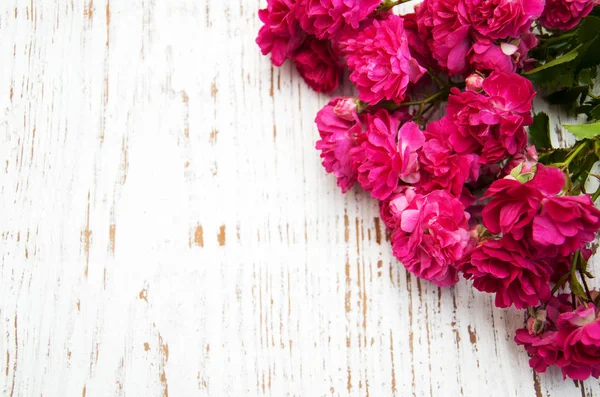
x: 584, y: 131
x: 539, y: 131
x: 568, y: 62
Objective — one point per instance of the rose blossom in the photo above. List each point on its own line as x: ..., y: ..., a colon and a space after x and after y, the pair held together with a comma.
x: 539, y: 337
x: 432, y: 236
x: 579, y: 338
x: 492, y: 123
x: 446, y: 35
x: 565, y: 14
x: 442, y: 168
x: 380, y: 61
x: 506, y: 267
x: 326, y: 18
x: 317, y: 65
x: 513, y: 204
x: 567, y: 222
x: 388, y: 154
x: 499, y: 19
x: 281, y: 34
x: 526, y: 160
x: 487, y: 56
x: 339, y: 127
x: 391, y: 208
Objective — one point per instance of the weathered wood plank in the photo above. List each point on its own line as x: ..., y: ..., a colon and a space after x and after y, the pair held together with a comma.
x: 167, y: 228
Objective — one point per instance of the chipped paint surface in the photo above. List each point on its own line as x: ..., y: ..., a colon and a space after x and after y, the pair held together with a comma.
x: 167, y: 228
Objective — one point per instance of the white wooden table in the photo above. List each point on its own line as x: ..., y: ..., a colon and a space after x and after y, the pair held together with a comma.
x: 167, y: 228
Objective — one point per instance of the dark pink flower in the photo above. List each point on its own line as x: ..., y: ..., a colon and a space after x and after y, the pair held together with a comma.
x: 391, y: 208
x: 539, y: 338
x: 317, y: 65
x: 326, y: 18
x: 500, y: 19
x: 542, y: 348
x: 513, y: 204
x: 487, y: 56
x: 579, y: 338
x: 441, y: 167
x: 566, y: 222
x: 380, y: 61
x: 388, y: 154
x: 565, y: 14
x: 508, y: 269
x: 281, y: 34
x: 526, y: 161
x: 340, y: 128
x: 432, y: 236
x: 446, y: 34
x: 521, y: 57
x: 418, y: 47
x: 492, y: 124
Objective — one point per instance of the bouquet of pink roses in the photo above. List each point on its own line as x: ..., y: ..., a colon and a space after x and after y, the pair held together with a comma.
x: 479, y: 192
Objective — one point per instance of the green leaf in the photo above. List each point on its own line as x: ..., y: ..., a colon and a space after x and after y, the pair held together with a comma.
x: 595, y: 112
x: 568, y: 95
x: 589, y: 56
x: 576, y: 287
x: 539, y: 131
x: 583, y: 131
x: 586, y: 77
x: 568, y: 57
x: 588, y: 29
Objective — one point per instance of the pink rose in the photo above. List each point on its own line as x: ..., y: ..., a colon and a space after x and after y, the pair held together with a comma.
x: 391, y: 208
x: 541, y: 345
x: 492, y: 124
x: 521, y: 56
x: 526, y: 160
x: 380, y: 61
x: 441, y: 167
x: 500, y: 19
x: 513, y: 205
x: 542, y: 348
x: 566, y: 222
x: 340, y: 128
x: 432, y: 236
x: 579, y: 338
x: 418, y: 47
x: 446, y: 34
x: 388, y: 154
x: 508, y: 269
x: 487, y: 56
x: 565, y: 14
x: 281, y: 34
x: 317, y: 65
x: 326, y: 18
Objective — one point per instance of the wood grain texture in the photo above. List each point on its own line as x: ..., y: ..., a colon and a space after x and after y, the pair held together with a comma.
x: 167, y: 228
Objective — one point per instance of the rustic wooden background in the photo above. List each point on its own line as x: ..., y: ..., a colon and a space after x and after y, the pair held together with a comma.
x: 168, y: 230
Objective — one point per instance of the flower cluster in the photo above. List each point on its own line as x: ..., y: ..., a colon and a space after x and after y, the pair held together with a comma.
x: 478, y: 191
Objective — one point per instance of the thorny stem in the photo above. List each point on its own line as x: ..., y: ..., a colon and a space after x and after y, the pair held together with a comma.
x: 435, y: 78
x: 573, y: 154
x: 425, y: 101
